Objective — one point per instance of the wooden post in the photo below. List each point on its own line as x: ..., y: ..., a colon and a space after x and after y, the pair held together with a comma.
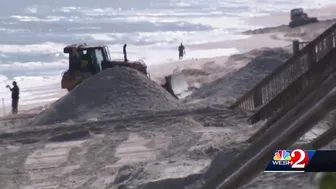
x: 296, y: 46
x: 257, y: 98
x: 3, y: 107
x: 244, y: 168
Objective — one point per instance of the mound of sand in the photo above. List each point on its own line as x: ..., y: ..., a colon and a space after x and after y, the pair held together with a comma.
x: 306, y: 32
x: 113, y: 92
x: 239, y: 82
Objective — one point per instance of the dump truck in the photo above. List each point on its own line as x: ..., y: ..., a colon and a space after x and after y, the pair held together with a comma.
x: 299, y: 18
x: 97, y: 59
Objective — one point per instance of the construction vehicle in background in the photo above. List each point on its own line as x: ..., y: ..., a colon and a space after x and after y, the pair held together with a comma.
x: 98, y: 59
x: 299, y: 18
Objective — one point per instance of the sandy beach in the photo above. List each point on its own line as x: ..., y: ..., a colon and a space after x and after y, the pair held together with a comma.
x: 131, y: 133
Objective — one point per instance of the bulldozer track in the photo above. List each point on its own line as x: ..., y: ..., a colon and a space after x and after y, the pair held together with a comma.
x: 111, y: 124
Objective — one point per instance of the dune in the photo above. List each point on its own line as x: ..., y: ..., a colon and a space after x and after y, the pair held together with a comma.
x: 238, y: 82
x: 303, y: 33
x: 115, y: 91
x: 322, y: 13
x: 254, y: 41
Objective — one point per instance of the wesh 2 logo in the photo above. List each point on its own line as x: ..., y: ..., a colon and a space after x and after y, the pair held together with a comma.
x: 288, y: 160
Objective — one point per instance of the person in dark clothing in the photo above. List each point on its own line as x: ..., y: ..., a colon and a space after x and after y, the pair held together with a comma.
x: 181, y: 51
x: 15, y: 97
x: 125, y: 53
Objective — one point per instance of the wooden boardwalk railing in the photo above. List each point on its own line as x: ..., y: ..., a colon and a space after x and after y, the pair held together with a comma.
x: 269, y: 96
x: 246, y: 165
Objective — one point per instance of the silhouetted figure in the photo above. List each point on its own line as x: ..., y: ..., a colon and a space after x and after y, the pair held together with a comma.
x: 125, y: 53
x: 15, y: 97
x: 181, y: 50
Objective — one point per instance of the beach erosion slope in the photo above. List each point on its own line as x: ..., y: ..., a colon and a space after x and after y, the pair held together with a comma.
x: 141, y: 137
x: 236, y: 83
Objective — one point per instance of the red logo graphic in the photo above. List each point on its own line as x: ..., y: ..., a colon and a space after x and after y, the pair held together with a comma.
x: 299, y: 159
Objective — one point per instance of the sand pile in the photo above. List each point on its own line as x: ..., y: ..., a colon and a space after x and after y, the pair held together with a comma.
x: 237, y: 83
x: 306, y: 32
x: 113, y: 92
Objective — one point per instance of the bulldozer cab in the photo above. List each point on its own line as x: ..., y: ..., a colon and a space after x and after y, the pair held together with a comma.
x: 297, y: 11
x: 300, y: 18
x: 87, y: 58
x: 84, y: 61
x: 297, y: 14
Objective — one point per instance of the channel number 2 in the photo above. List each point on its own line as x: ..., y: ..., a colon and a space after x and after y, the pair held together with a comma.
x: 300, y: 163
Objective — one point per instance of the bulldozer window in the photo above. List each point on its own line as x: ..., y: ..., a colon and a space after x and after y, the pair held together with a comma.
x: 100, y: 57
x: 107, y: 53
x: 297, y: 12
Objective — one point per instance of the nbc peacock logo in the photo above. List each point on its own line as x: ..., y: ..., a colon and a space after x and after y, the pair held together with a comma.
x: 282, y: 155
x: 288, y: 160
x: 282, y: 158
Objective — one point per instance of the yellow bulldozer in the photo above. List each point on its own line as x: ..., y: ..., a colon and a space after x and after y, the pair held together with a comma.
x: 91, y: 60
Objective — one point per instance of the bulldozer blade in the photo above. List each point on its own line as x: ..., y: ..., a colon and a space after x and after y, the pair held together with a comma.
x: 179, y: 85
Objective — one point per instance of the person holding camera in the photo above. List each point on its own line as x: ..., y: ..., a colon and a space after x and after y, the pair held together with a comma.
x: 15, y: 97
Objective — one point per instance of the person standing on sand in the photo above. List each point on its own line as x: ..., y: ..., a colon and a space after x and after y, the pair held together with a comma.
x: 181, y: 50
x: 15, y: 97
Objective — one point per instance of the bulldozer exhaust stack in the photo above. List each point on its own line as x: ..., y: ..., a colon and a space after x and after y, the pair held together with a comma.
x: 125, y: 53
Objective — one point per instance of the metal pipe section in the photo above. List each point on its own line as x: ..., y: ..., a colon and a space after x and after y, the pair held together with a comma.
x: 299, y: 127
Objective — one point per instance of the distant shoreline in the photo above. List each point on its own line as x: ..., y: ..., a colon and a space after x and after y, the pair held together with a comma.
x: 268, y: 37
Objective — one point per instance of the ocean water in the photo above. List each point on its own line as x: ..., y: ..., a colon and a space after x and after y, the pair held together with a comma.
x: 33, y: 33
